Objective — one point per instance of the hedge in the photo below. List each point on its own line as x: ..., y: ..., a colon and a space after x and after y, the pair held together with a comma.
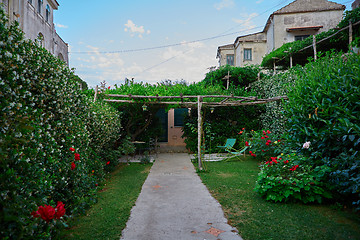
x: 52, y: 140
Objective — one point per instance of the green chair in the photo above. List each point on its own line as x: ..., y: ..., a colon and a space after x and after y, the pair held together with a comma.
x: 239, y: 152
x: 230, y: 142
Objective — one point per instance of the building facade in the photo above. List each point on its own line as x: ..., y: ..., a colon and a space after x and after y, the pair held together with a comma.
x: 355, y: 4
x: 296, y: 21
x: 36, y: 20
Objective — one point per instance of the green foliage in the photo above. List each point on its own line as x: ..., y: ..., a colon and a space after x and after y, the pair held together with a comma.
x: 240, y: 76
x: 323, y: 109
x: 263, y: 144
x: 223, y: 123
x: 50, y: 135
x: 273, y: 117
x: 292, y: 177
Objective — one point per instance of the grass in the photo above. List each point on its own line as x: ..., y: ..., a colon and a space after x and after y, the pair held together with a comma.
x: 107, y: 218
x: 232, y: 184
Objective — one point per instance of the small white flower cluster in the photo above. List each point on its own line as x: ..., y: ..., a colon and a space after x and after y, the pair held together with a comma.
x: 306, y: 145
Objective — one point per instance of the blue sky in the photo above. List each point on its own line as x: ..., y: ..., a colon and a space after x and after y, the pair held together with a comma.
x: 101, y: 33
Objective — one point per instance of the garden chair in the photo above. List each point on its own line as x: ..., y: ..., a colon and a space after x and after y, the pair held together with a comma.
x: 229, y: 144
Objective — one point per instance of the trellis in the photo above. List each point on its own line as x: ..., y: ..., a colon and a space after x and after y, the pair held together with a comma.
x: 201, y: 100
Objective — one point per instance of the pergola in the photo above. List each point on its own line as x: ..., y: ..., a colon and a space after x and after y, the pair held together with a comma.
x: 198, y: 101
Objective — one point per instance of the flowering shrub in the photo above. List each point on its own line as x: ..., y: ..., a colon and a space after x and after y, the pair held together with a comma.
x: 323, y: 109
x: 262, y: 144
x: 290, y: 177
x: 46, y: 139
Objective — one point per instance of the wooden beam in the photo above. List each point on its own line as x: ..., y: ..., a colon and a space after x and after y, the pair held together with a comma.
x: 170, y: 97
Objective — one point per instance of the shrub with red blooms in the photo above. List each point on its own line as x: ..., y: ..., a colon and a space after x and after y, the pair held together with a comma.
x: 47, y: 212
x: 73, y: 166
x: 262, y: 144
x: 77, y: 156
x: 302, y: 182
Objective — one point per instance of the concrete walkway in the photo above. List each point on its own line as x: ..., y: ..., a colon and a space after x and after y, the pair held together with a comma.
x: 175, y: 205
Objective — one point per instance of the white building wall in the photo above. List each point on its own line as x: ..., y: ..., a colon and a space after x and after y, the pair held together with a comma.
x: 327, y: 19
x: 32, y: 23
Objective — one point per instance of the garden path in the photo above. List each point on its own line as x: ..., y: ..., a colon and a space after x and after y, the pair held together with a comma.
x: 175, y: 204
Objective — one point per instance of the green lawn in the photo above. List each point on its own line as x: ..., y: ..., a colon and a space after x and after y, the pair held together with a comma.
x: 232, y: 184
x: 107, y: 218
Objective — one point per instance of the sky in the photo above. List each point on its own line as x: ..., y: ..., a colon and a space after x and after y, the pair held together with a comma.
x: 155, y: 40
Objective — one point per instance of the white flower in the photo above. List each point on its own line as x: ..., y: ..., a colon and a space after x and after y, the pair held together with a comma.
x: 306, y: 145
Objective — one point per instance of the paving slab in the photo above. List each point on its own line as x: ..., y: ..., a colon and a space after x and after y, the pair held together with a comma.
x: 174, y: 204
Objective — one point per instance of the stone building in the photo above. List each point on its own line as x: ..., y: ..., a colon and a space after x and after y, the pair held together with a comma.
x: 355, y: 4
x: 36, y: 20
x: 296, y: 21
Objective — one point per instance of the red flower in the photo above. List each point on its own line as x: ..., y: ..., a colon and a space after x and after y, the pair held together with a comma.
x: 263, y: 150
x: 96, y: 184
x: 266, y: 136
x: 294, y: 168
x: 77, y: 156
x: 108, y: 163
x: 268, y: 131
x: 240, y: 132
x: 287, y: 161
x: 243, y: 128
x: 250, y: 152
x: 264, y: 132
x: 73, y: 166
x: 35, y: 214
x: 46, y: 212
x: 247, y: 144
x: 108, y: 87
x: 262, y: 137
x: 59, y: 210
x: 72, y: 149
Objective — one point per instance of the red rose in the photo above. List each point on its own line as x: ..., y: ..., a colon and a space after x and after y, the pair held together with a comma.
x: 262, y: 137
x: 246, y: 143
x: 73, y: 166
x: 35, y: 214
x: 268, y: 131
x: 72, y: 149
x: 108, y: 163
x: 109, y: 87
x: 250, y: 152
x: 77, y: 156
x: 60, y: 210
x: 46, y: 212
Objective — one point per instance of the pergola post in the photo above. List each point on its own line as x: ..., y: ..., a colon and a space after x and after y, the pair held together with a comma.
x: 199, y: 105
x: 314, y: 46
x: 96, y: 92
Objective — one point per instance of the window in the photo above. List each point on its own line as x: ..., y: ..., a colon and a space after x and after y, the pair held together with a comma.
x: 40, y: 39
x: 47, y: 13
x: 301, y: 37
x: 247, y: 54
x: 40, y: 3
x: 230, y: 59
x: 179, y: 114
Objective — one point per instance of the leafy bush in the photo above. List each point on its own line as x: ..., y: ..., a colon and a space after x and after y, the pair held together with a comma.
x: 263, y: 144
x: 273, y: 117
x: 240, y: 76
x: 49, y: 133
x: 291, y: 177
x: 324, y: 109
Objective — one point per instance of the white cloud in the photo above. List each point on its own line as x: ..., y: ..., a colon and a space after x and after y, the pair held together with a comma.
x: 246, y: 21
x: 259, y: 1
x: 131, y: 27
x: 224, y: 4
x: 60, y: 25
